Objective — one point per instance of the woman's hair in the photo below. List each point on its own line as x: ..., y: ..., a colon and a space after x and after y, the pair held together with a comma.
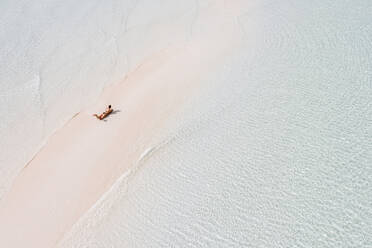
x: 109, y: 106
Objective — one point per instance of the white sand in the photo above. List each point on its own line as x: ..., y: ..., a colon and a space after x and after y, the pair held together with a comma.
x: 85, y: 157
x: 274, y: 152
x: 54, y: 53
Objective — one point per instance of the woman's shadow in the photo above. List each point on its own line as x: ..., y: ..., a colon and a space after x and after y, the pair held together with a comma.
x: 112, y: 113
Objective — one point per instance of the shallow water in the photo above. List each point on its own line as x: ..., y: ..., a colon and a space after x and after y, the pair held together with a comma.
x: 275, y: 152
x: 56, y: 58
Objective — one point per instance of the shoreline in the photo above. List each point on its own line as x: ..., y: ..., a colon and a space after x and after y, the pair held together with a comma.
x: 78, y: 164
x: 84, y: 158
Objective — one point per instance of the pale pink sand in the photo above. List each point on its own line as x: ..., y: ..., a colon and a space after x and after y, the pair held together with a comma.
x: 84, y: 158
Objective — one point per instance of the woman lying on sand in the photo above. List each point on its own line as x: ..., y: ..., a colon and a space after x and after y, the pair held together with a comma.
x: 104, y: 114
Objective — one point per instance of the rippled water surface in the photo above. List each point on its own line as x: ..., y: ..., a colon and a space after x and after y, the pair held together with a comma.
x: 57, y: 57
x: 275, y: 152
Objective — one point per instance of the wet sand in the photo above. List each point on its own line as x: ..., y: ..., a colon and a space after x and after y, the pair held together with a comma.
x: 85, y: 157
